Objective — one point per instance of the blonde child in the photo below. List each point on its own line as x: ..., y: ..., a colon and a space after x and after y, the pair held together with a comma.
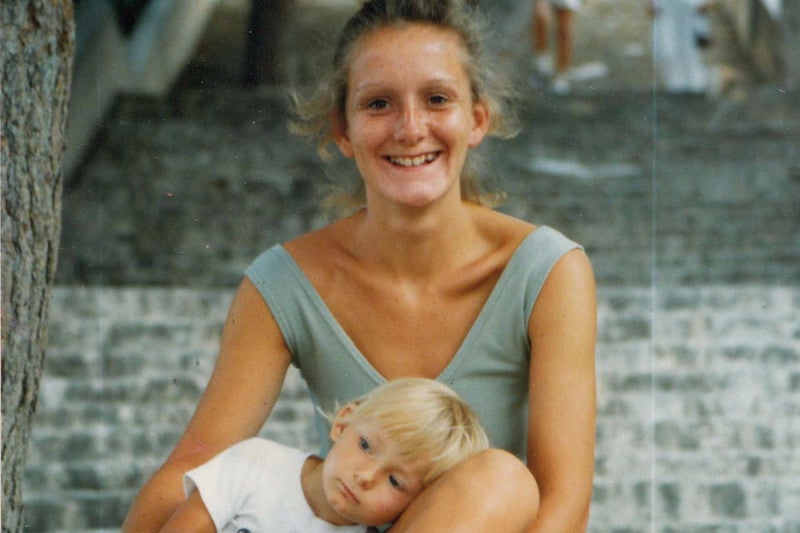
x: 387, y: 446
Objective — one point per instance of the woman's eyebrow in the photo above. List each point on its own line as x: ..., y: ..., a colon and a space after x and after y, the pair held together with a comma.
x: 369, y: 85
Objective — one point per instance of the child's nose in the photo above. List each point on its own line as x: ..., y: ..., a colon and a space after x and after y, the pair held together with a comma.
x: 365, y: 476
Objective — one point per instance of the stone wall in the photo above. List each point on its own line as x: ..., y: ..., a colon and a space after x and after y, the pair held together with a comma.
x: 699, y: 405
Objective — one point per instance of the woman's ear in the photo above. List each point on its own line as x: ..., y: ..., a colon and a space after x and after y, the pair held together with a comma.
x: 340, y: 135
x: 481, y: 120
x: 339, y: 423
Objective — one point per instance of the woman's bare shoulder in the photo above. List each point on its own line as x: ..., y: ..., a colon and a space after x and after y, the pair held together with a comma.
x: 320, y: 241
x: 321, y: 252
x: 504, y: 230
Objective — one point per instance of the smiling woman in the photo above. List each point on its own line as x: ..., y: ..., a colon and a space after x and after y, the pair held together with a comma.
x: 423, y: 280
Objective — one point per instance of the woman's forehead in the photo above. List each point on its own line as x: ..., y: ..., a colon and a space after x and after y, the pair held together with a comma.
x: 390, y: 40
x: 428, y: 54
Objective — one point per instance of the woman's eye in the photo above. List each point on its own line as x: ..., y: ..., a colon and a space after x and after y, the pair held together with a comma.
x: 438, y: 99
x: 363, y: 444
x: 378, y: 104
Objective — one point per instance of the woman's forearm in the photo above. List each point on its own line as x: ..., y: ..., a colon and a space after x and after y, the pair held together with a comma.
x: 156, y: 501
x: 561, y: 517
x: 190, y: 517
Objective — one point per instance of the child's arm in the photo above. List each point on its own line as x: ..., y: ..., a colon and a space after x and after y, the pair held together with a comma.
x: 190, y: 517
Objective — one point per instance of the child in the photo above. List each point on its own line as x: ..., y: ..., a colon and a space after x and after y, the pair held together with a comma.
x: 387, y: 446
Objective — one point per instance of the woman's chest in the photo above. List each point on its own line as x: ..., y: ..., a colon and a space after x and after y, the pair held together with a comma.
x: 403, y: 329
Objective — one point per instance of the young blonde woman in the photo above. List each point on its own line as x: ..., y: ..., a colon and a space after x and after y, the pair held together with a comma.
x: 423, y: 280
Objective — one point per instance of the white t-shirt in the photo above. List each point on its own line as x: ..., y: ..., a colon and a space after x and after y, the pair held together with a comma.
x: 254, y: 487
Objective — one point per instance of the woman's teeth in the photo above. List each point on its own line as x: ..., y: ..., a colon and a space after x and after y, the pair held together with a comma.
x: 413, y: 161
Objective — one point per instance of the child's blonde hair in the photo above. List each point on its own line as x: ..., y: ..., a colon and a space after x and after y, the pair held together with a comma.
x: 424, y: 419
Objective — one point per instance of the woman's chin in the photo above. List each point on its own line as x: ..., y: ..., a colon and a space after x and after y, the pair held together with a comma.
x: 419, y: 197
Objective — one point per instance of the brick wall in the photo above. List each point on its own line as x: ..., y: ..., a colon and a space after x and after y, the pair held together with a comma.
x: 699, y: 426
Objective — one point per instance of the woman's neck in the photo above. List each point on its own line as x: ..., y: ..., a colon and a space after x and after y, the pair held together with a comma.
x: 414, y: 243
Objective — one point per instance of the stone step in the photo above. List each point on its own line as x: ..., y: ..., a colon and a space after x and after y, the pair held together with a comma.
x: 699, y: 391
x: 188, y: 191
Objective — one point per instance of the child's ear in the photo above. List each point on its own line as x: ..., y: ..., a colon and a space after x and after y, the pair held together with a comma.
x: 339, y: 424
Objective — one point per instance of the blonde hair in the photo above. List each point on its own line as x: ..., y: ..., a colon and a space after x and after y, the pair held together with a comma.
x: 316, y: 115
x: 423, y: 418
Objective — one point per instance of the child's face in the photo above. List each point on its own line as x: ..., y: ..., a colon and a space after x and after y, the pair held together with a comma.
x: 365, y: 480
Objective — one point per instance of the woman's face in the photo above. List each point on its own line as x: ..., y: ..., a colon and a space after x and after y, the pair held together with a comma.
x: 409, y: 114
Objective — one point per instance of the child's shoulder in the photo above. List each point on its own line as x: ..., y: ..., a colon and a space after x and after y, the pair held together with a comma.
x: 258, y: 447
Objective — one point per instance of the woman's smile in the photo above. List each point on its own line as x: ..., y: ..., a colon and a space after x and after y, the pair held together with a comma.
x: 413, y: 161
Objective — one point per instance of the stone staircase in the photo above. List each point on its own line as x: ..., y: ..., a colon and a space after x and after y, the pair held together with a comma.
x: 188, y: 190
x: 698, y: 395
x: 687, y: 206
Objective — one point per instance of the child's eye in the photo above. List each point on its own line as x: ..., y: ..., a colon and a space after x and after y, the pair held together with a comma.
x: 394, y: 481
x: 363, y: 444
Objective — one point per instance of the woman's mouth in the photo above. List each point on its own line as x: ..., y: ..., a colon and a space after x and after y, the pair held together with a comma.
x: 412, y: 161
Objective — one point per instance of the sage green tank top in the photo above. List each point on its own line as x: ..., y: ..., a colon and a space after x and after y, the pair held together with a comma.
x: 489, y: 370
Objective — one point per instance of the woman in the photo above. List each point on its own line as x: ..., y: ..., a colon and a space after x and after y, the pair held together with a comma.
x: 423, y: 280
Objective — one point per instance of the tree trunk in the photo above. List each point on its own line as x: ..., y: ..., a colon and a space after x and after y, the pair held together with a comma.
x: 36, y: 51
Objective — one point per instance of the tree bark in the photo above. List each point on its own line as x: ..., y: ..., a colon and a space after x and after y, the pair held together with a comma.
x: 37, y: 46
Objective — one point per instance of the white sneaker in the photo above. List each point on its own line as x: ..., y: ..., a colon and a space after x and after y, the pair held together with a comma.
x: 544, y: 64
x: 560, y: 85
x: 588, y: 71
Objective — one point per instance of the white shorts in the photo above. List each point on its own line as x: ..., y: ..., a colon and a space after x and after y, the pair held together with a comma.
x: 572, y: 5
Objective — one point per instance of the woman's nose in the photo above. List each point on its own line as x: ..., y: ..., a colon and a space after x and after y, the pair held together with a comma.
x: 410, y: 127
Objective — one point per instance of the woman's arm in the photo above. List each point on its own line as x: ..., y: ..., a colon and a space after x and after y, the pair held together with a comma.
x: 240, y: 395
x: 191, y: 516
x: 563, y: 403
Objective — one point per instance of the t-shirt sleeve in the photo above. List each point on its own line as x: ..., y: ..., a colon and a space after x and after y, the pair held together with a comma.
x: 225, y: 481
